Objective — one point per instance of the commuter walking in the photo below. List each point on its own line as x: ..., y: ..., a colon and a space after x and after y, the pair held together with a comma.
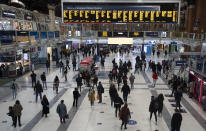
x: 43, y: 79
x: 112, y: 93
x: 14, y: 88
x: 56, y: 84
x: 119, y: 79
x: 79, y: 82
x: 48, y: 66
x: 100, y: 91
x: 11, y: 114
x: 124, y: 115
x: 74, y: 63
x: 176, y: 121
x: 65, y: 73
x: 67, y: 63
x: 178, y: 97
x: 45, y: 106
x: 131, y: 79
x: 61, y: 66
x: 33, y: 78
x: 153, y: 107
x: 118, y: 102
x: 17, y: 109
x: 62, y: 111
x: 38, y: 90
x: 160, y: 100
x: 76, y: 96
x: 155, y: 77
x: 91, y: 96
x: 126, y: 91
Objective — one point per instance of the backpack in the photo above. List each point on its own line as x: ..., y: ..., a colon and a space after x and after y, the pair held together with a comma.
x: 13, y: 86
x: 58, y: 109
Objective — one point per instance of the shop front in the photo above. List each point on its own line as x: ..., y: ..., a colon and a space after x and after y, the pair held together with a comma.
x: 199, y: 84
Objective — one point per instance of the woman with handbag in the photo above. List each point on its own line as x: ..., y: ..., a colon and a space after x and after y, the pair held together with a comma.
x: 45, y: 106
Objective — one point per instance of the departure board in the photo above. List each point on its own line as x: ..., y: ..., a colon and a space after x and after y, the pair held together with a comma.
x: 120, y: 14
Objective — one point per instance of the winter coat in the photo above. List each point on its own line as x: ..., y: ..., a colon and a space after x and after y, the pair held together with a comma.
x: 17, y: 108
x: 160, y: 100
x: 125, y: 89
x: 152, y: 106
x: 43, y: 77
x: 124, y: 114
x: 45, y: 105
x: 112, y: 92
x: 62, y: 110
x: 38, y: 88
x: 79, y: 81
x: 131, y: 78
x: 100, y: 89
x: 118, y: 102
x: 154, y: 76
x: 176, y: 120
x: 178, y: 95
x: 33, y: 76
x: 76, y: 94
x: 92, y: 95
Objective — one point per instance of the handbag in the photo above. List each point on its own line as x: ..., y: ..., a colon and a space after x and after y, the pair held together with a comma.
x: 67, y: 116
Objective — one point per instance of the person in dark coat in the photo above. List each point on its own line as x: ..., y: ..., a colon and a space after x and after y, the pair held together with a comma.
x: 74, y: 63
x: 112, y: 93
x: 33, y: 78
x: 118, y: 102
x: 48, y: 66
x: 76, y: 95
x: 79, y: 82
x: 38, y: 89
x: 153, y: 107
x: 160, y: 100
x: 95, y: 81
x: 45, y: 106
x: 178, y: 97
x: 11, y: 114
x: 124, y: 115
x: 43, y: 79
x: 56, y: 84
x: 126, y: 91
x: 62, y: 111
x: 176, y: 121
x: 119, y: 79
x: 100, y: 90
x: 17, y: 109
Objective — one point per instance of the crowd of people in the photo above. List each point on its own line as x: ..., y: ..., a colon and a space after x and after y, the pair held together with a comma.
x: 121, y: 79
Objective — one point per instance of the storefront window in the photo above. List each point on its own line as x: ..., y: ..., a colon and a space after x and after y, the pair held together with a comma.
x: 34, y: 36
x: 43, y: 35
x: 7, y: 37
x: 6, y: 25
x: 22, y: 37
x: 51, y: 35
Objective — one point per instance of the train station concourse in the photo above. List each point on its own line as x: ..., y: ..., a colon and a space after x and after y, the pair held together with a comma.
x: 102, y: 65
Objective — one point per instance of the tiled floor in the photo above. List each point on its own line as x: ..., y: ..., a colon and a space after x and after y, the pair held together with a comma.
x: 101, y: 117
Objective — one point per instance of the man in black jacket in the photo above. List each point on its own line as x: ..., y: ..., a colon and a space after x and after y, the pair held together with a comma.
x: 126, y: 91
x: 176, y: 121
x: 153, y: 107
x: 76, y: 95
x: 79, y: 82
x: 100, y: 90
x: 33, y: 78
x: 38, y: 89
x: 112, y: 93
x: 118, y: 102
x: 43, y: 78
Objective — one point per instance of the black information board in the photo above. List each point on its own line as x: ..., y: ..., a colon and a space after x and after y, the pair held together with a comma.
x: 113, y: 13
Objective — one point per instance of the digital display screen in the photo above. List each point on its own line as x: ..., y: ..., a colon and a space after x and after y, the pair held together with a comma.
x: 114, y: 13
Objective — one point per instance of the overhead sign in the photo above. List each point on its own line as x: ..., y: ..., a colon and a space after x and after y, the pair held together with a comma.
x: 120, y: 41
x: 120, y: 13
x: 8, y: 14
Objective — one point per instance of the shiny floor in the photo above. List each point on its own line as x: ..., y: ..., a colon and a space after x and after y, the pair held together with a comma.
x: 100, y: 117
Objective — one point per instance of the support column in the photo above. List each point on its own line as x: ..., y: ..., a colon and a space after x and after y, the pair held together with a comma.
x: 52, y: 17
x: 191, y: 18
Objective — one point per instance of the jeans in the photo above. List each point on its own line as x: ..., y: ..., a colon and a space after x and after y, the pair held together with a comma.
x: 15, y: 120
x: 92, y: 103
x: 154, y: 82
x: 125, y: 97
x: 75, y: 102
x: 132, y: 85
x: 112, y: 101
x: 178, y: 104
x: 38, y: 93
x: 14, y: 93
x: 44, y: 84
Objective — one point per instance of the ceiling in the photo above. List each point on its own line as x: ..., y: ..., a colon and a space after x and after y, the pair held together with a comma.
x: 39, y: 5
